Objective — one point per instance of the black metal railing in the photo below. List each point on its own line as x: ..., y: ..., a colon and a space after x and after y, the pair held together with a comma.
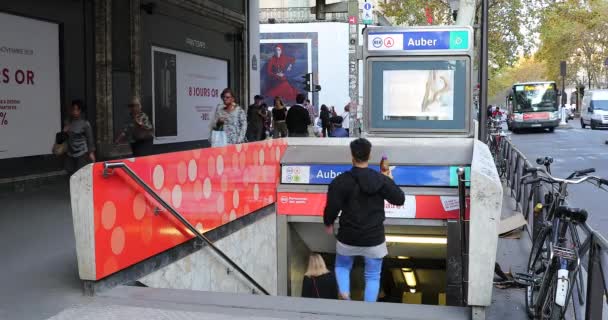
x: 108, y: 170
x: 588, y: 304
x: 464, y: 223
x: 300, y: 15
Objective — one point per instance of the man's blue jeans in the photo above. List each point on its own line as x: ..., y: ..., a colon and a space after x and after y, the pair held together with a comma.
x: 373, y: 267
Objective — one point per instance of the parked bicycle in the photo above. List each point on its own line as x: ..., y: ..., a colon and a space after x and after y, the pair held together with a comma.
x: 553, y: 269
x: 494, y: 142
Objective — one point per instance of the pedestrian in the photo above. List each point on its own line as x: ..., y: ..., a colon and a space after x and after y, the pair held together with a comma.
x: 359, y: 195
x: 231, y: 118
x: 256, y: 115
x: 80, y: 142
x: 267, y: 122
x: 312, y: 113
x: 298, y: 118
x: 325, y: 124
x: 497, y: 114
x: 346, y: 118
x: 337, y: 130
x: 279, y: 115
x: 137, y: 130
x: 318, y: 282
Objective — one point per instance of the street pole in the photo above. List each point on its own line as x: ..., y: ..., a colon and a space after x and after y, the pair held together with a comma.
x: 353, y: 64
x: 483, y: 72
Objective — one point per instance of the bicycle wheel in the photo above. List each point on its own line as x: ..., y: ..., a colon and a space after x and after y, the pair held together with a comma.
x: 551, y: 310
x: 538, y: 264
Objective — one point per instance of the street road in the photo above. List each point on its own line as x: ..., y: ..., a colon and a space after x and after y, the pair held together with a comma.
x: 574, y: 149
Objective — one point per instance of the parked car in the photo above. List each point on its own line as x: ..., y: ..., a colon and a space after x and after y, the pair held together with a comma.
x: 594, y: 109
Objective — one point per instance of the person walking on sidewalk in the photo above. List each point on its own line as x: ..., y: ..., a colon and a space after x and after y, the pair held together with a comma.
x: 279, y: 114
x: 346, y: 118
x: 137, y: 130
x: 312, y: 114
x: 298, y: 118
x: 359, y: 194
x: 80, y: 140
x: 325, y: 123
x: 256, y: 115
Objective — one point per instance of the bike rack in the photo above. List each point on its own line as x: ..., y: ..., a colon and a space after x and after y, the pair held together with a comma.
x: 594, y: 248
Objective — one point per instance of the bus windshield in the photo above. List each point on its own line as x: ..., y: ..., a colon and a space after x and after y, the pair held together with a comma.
x: 535, y: 97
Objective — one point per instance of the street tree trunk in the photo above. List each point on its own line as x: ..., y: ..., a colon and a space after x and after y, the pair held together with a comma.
x: 466, y: 12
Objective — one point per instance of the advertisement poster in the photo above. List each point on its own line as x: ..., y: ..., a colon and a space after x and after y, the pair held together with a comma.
x: 285, y: 57
x: 418, y: 94
x: 283, y: 66
x: 30, y: 98
x: 187, y: 90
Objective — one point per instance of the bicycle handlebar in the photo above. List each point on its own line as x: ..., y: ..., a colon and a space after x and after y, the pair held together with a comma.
x: 585, y: 172
x: 551, y: 179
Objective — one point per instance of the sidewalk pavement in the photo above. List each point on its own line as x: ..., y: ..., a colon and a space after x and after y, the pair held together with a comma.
x: 512, y: 255
x: 38, y: 272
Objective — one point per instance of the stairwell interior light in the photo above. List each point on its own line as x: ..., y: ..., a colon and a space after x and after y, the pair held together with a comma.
x: 410, y: 277
x: 416, y: 239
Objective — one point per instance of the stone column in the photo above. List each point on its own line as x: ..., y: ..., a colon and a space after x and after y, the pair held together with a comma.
x: 103, y: 76
x: 253, y: 19
x: 136, y: 48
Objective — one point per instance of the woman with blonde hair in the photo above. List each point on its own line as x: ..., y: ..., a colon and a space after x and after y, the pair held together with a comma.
x: 318, y: 281
x: 279, y: 115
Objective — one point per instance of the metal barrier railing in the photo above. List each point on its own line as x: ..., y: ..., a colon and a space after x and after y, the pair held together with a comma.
x: 594, y: 252
x: 109, y: 166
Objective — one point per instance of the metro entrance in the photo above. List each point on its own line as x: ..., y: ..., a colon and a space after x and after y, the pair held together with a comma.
x: 417, y: 112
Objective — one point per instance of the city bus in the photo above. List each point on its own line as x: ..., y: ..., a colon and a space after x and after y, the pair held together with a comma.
x: 533, y: 105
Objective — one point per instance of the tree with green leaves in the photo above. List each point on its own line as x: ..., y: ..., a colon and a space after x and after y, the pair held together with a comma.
x: 508, y: 28
x: 525, y: 70
x: 576, y: 32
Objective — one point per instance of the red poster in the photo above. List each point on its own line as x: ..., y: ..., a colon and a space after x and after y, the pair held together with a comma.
x: 416, y: 206
x: 301, y: 204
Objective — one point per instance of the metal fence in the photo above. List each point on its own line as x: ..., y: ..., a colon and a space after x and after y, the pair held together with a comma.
x: 588, y: 303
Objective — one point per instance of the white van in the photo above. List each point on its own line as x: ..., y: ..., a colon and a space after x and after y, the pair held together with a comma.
x: 595, y: 109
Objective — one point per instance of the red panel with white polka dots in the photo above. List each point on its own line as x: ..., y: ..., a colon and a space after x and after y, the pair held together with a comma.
x: 209, y: 187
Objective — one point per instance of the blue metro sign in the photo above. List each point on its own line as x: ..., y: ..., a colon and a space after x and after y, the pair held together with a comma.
x: 420, y: 40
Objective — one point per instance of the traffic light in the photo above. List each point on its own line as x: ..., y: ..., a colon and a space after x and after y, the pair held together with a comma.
x: 309, y: 85
x: 307, y: 82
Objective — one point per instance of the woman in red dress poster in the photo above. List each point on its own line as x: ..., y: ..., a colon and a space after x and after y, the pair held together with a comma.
x: 277, y: 68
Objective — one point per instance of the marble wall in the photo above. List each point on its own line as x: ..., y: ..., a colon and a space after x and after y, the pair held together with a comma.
x: 253, y: 248
x: 486, y: 204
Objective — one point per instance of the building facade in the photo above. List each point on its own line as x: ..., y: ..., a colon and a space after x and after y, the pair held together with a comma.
x: 175, y: 55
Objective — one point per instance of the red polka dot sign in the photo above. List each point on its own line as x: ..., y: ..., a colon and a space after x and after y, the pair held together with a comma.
x: 209, y: 187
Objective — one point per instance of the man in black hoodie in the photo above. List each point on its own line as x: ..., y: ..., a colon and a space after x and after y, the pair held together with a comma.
x: 360, y: 194
x: 298, y: 118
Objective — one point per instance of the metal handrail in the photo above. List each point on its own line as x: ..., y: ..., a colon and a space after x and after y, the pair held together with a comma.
x: 464, y: 247
x: 109, y: 166
x: 597, y: 252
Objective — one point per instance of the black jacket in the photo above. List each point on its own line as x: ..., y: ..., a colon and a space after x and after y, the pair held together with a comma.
x: 323, y: 286
x: 297, y: 120
x: 360, y: 194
